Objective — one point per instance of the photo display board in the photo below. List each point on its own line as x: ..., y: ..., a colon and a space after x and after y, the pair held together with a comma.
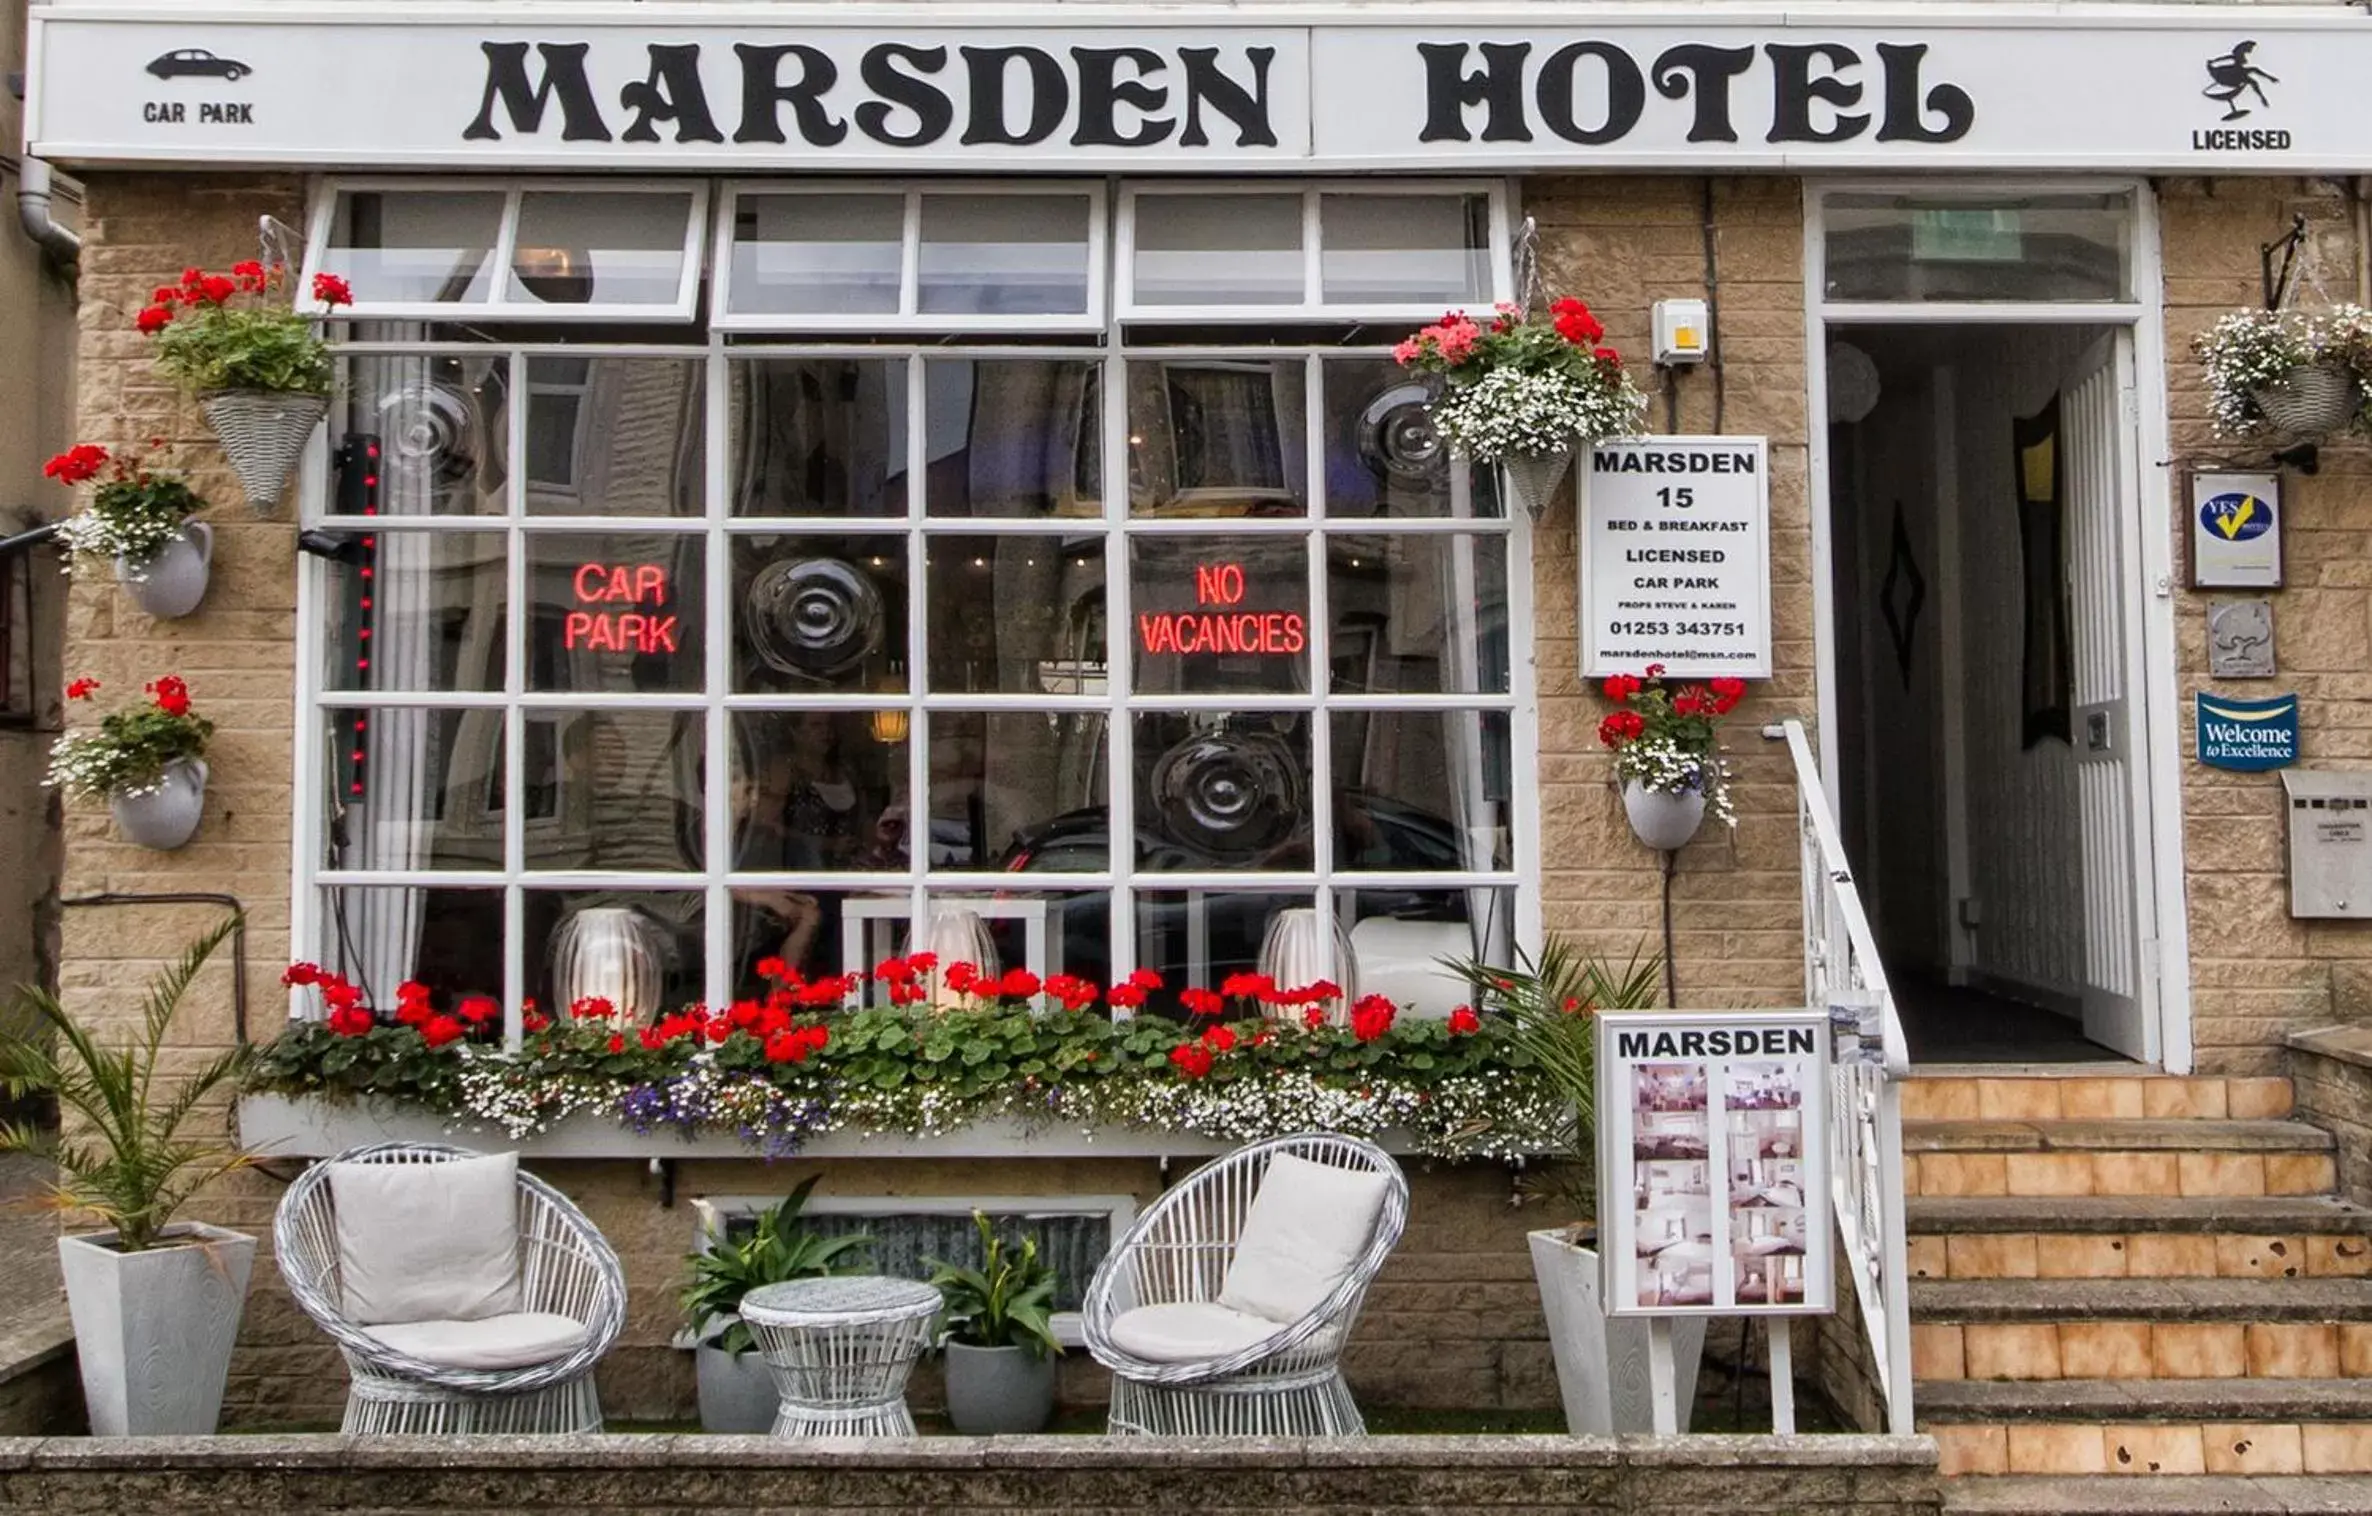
x: 1712, y: 1163
x: 1676, y: 557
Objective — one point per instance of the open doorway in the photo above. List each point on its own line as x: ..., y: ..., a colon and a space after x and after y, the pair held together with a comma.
x: 1985, y: 549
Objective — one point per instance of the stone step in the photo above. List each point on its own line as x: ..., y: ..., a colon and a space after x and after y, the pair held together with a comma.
x: 2144, y: 1236
x: 2218, y: 1136
x: 2161, y: 1495
x: 2151, y: 1427
x: 2091, y: 1093
x: 2141, y: 1300
x: 2339, y: 1401
x: 2075, y: 1158
x: 2170, y: 1352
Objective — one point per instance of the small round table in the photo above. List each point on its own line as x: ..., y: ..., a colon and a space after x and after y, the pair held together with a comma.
x: 840, y: 1349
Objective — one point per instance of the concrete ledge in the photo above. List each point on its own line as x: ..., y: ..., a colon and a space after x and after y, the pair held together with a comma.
x: 288, y: 1475
x: 40, y: 1381
x: 2331, y: 1073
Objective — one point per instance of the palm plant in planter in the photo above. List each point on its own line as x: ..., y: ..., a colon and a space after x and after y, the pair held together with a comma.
x: 735, y: 1393
x: 260, y: 369
x: 155, y: 1302
x: 999, y: 1325
x: 147, y: 762
x: 1547, y: 1007
x: 139, y: 520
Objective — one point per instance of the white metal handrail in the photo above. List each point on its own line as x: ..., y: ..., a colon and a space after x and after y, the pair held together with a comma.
x: 1842, y: 974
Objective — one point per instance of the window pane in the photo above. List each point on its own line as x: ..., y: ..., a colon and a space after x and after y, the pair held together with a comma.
x: 819, y: 790
x: 1430, y: 250
x: 819, y: 613
x: 615, y: 790
x: 819, y: 437
x: 440, y: 426
x: 1219, y: 250
x: 1019, y: 791
x: 616, y: 437
x: 1050, y: 932
x: 1223, y: 792
x: 1214, y: 615
x: 414, y: 246
x: 1013, y: 438
x: 816, y: 932
x: 580, y: 247
x: 413, y: 789
x: 1421, y: 790
x: 1196, y: 938
x: 2037, y: 247
x: 1004, y: 255
x: 1017, y: 615
x: 640, y: 950
x: 450, y: 940
x: 823, y: 254
x: 418, y: 611
x: 1423, y: 614
x: 1218, y: 437
x: 1398, y: 939
x: 615, y: 611
x: 1383, y: 456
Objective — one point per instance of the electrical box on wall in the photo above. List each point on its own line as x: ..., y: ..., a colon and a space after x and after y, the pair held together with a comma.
x: 2330, y: 843
x: 1683, y: 331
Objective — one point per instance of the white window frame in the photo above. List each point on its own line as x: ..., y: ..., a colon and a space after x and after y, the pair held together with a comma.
x: 1313, y: 305
x: 494, y: 306
x: 910, y: 317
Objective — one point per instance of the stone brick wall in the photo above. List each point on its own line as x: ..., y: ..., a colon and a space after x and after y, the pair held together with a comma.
x: 2331, y: 1072
x: 665, y: 1476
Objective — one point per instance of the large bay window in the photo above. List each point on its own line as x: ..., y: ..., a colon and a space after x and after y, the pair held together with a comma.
x: 1079, y: 651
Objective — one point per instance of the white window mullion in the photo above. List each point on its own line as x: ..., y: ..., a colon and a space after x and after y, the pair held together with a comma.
x: 1120, y: 765
x: 717, y: 763
x: 1320, y: 665
x: 518, y: 636
x: 918, y: 544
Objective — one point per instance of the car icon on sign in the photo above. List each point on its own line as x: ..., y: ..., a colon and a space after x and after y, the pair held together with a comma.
x: 196, y: 62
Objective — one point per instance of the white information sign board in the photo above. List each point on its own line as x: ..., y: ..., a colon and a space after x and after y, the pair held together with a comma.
x: 1713, y: 1172
x: 1676, y: 557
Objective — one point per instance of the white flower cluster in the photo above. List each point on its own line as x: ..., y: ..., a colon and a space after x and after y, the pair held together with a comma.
x: 133, y: 536
x: 2249, y: 351
x: 1511, y: 413
x: 1662, y: 765
x: 91, y: 764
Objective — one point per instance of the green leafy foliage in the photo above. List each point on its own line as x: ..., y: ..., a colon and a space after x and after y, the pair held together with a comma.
x: 780, y: 1247
x: 123, y: 1152
x: 128, y: 752
x: 243, y: 347
x: 1007, y: 1302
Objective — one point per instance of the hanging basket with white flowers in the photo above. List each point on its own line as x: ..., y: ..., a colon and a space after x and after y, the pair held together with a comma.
x: 2290, y: 373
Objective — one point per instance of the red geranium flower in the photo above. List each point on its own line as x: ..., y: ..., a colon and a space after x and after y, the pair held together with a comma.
x: 1464, y: 1022
x: 79, y: 462
x: 477, y: 1010
x: 1372, y: 1018
x: 441, y: 1030
x: 1190, y: 1060
x: 591, y: 1008
x: 1017, y: 984
x: 1201, y: 1002
x: 617, y: 1042
x: 1126, y: 997
x: 172, y: 694
x: 296, y: 974
x: 1219, y: 1039
x: 215, y: 289
x: 152, y: 319
x: 1655, y: 671
x: 332, y: 291
x: 1145, y: 979
x: 351, y: 1021
x: 1314, y: 1019
x: 961, y: 977
x: 82, y: 689
x: 1621, y: 686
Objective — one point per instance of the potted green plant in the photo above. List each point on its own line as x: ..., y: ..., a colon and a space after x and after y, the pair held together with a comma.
x: 260, y: 368
x: 155, y: 1301
x: 1547, y: 1008
x: 2295, y: 372
x: 1666, y: 756
x: 139, y: 520
x: 147, y: 762
x: 735, y: 1392
x: 998, y: 1325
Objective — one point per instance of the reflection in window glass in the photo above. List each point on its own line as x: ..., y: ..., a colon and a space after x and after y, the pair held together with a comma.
x: 819, y: 613
x: 1421, y: 790
x: 819, y: 437
x: 1003, y: 255
x: 380, y: 936
x: 1218, y: 437
x: 1413, y: 614
x: 615, y: 611
x: 412, y: 789
x: 440, y: 424
x: 640, y: 950
x: 1012, y: 437
x: 615, y: 436
x: 1428, y: 250
x: 429, y: 614
x: 1384, y: 457
x: 1019, y: 792
x: 1241, y: 249
x: 414, y: 246
x: 2036, y: 247
x: 819, y: 791
x: 580, y: 247
x: 1398, y: 938
x: 624, y: 790
x: 1212, y: 615
x: 1196, y: 938
x: 1223, y: 791
x: 1013, y: 614
x: 817, y: 254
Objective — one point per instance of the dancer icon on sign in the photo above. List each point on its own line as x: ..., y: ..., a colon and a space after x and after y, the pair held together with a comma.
x: 2234, y: 76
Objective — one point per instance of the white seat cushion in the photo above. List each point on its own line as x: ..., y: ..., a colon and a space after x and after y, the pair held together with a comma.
x: 1188, y: 1332
x: 516, y: 1340
x: 1306, y: 1228
x: 428, y: 1242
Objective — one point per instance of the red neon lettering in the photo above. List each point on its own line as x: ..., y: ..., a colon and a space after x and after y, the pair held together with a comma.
x: 1272, y: 632
x: 635, y: 583
x: 1218, y: 583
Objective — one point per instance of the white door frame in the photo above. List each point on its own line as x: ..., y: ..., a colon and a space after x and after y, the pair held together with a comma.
x: 2150, y: 614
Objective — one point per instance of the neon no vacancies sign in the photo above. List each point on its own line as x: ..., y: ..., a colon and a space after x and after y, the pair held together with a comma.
x: 1676, y: 557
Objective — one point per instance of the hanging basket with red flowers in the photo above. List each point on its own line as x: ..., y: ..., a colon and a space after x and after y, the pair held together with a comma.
x: 1666, y: 754
x: 1525, y: 393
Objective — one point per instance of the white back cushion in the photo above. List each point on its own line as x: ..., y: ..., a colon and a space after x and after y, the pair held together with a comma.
x: 1308, y: 1224
x: 428, y: 1241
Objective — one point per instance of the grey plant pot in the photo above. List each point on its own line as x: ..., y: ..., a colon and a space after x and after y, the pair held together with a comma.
x: 1602, y: 1361
x: 995, y: 1391
x: 167, y: 816
x: 154, y: 1330
x: 171, y: 584
x: 736, y: 1393
x: 1661, y: 819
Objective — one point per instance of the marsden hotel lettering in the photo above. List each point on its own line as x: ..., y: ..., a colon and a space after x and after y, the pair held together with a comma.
x: 911, y: 95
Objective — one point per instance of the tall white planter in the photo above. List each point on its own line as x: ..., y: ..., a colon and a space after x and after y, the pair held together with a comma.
x: 166, y: 816
x: 1602, y: 1363
x: 154, y: 1330
x: 170, y: 584
x: 736, y: 1393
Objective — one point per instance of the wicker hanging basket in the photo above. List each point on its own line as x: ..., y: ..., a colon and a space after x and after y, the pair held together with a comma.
x: 1532, y: 478
x: 263, y: 433
x: 2311, y: 400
